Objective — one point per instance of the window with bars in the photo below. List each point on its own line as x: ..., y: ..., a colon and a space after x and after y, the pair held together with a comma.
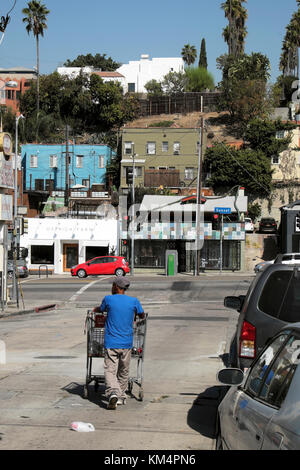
x: 128, y: 148
x: 165, y: 146
x: 275, y: 160
x: 53, y: 161
x: 101, y: 161
x: 33, y: 161
x: 189, y: 173
x: 151, y: 148
x: 176, y: 148
x: 79, y: 161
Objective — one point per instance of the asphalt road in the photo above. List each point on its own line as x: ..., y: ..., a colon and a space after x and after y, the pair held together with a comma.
x: 42, y: 380
x: 148, y: 289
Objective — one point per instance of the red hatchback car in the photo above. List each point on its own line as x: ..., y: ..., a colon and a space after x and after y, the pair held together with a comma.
x: 102, y: 265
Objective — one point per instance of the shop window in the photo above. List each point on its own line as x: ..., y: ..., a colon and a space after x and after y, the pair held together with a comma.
x: 42, y: 254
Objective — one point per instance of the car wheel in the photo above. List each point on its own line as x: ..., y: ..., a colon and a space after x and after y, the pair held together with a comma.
x: 119, y: 272
x: 81, y: 273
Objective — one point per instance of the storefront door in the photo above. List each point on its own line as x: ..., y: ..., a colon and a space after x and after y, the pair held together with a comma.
x: 70, y: 256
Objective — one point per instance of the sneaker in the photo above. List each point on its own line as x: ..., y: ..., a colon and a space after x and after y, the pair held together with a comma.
x: 121, y: 401
x: 112, y: 404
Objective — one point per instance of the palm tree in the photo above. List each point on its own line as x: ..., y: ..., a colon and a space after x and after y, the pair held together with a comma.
x: 235, y: 33
x: 189, y: 54
x: 36, y: 22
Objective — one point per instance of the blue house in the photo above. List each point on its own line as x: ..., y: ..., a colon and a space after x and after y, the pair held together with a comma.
x: 45, y: 165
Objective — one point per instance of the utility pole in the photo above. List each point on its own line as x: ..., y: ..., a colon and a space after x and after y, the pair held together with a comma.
x: 198, y: 199
x: 67, y: 169
x: 132, y: 218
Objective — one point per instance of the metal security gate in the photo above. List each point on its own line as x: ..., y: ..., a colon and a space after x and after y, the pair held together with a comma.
x: 231, y: 255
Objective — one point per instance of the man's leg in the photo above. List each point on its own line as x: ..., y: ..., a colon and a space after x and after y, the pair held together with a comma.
x: 111, y: 363
x: 123, y: 370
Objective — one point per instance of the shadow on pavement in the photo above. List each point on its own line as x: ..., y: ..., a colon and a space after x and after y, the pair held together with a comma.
x: 96, y: 397
x: 202, y: 417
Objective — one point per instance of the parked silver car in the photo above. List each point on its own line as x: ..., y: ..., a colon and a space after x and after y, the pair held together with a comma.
x: 261, y: 409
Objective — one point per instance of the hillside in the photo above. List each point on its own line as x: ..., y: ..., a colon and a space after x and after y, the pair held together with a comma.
x: 215, y: 123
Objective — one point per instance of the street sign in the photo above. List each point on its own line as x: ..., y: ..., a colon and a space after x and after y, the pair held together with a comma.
x: 223, y: 210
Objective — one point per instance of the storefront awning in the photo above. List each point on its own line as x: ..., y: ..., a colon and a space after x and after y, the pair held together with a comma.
x: 41, y: 242
x: 95, y: 243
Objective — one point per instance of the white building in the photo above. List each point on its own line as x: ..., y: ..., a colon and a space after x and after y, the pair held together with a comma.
x: 60, y: 244
x: 137, y: 73
x: 73, y: 72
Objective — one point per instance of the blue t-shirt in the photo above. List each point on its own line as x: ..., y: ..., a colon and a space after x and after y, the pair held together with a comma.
x: 119, y: 323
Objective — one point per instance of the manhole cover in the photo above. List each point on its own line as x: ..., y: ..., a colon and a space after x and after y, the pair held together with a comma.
x: 55, y: 357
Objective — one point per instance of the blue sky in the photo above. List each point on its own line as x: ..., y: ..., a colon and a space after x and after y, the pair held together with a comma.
x: 126, y: 29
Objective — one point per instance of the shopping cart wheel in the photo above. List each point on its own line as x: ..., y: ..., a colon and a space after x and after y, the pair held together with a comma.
x: 85, y: 392
x: 130, y: 387
x: 141, y: 395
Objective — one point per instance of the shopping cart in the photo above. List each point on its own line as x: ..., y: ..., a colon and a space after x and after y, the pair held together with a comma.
x: 95, y: 329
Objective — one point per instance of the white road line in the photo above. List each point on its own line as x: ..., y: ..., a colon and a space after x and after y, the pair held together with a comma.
x: 84, y: 288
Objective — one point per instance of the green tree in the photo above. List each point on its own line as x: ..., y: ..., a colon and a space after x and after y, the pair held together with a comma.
x: 87, y: 104
x: 36, y: 22
x: 198, y: 79
x: 289, y: 60
x: 246, y: 167
x: 98, y: 61
x: 203, y: 56
x: 174, y: 82
x: 189, y: 54
x: 261, y: 135
x: 154, y: 89
x: 244, y: 91
x: 235, y: 33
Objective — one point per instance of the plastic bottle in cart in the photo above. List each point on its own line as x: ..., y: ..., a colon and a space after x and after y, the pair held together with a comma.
x: 79, y: 426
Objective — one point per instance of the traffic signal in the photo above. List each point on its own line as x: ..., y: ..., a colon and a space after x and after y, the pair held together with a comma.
x: 129, y: 175
x: 25, y: 225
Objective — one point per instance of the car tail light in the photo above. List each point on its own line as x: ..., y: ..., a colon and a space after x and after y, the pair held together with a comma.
x: 247, y: 340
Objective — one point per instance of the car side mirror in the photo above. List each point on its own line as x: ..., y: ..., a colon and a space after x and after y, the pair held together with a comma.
x: 230, y: 376
x: 233, y: 302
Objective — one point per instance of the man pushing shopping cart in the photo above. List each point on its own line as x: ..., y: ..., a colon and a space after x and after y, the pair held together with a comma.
x: 118, y: 339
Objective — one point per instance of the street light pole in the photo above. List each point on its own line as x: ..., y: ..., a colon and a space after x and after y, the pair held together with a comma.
x: 198, y: 198
x: 132, y: 219
x: 15, y: 285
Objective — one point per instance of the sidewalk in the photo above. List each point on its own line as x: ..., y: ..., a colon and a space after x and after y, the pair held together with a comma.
x: 12, y: 309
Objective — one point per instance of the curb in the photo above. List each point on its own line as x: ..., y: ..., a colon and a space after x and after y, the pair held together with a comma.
x: 30, y: 310
x: 45, y: 307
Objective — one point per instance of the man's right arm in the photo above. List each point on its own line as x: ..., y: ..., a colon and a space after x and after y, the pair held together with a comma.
x: 101, y: 308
